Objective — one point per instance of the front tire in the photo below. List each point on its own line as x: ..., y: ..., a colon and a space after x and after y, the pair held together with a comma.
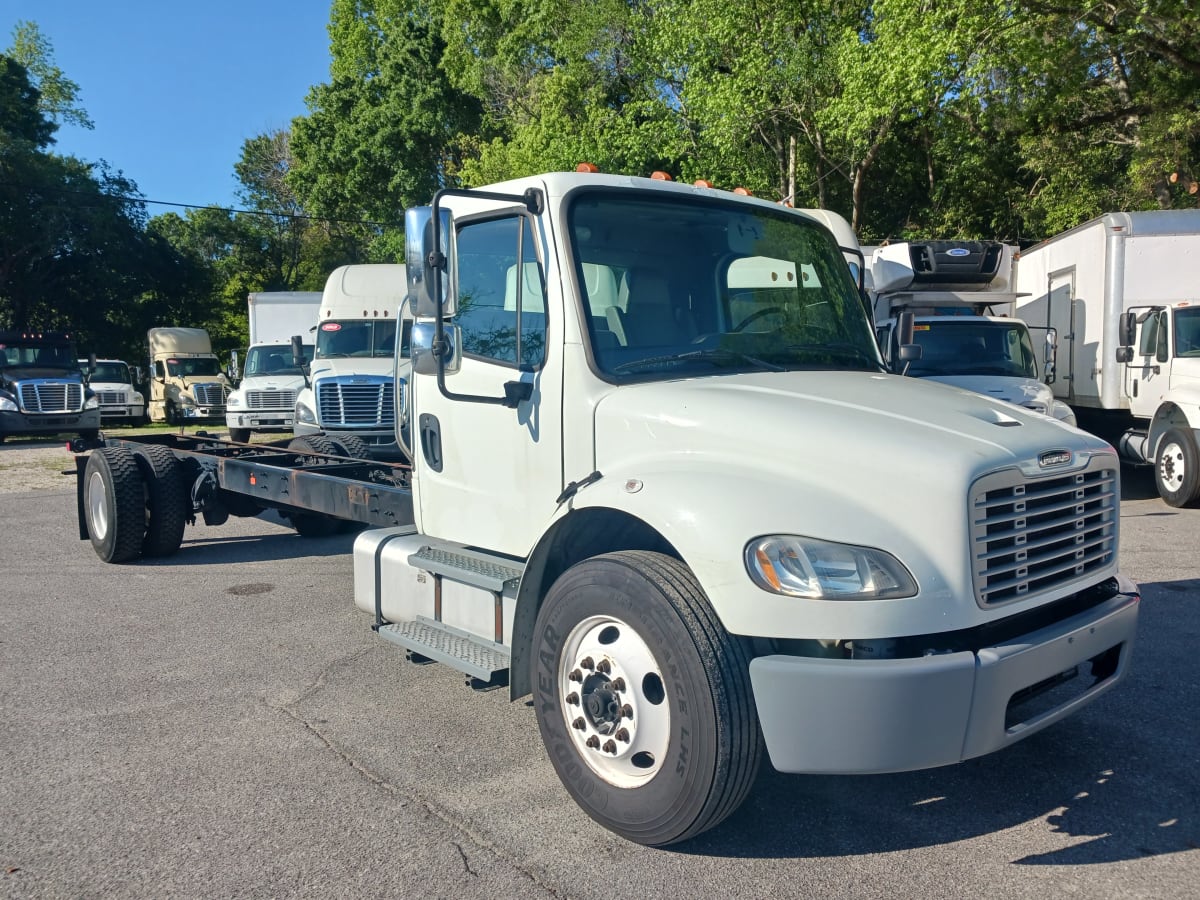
x: 114, y: 504
x: 1177, y: 468
x: 350, y: 445
x: 643, y: 699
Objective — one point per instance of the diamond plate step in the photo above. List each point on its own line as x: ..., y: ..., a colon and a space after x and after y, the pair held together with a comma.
x: 458, y: 649
x: 478, y: 569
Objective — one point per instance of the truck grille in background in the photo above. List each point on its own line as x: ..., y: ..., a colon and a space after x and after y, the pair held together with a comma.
x: 209, y: 394
x: 110, y: 398
x: 363, y: 405
x: 276, y: 400
x: 1033, y: 535
x: 48, y: 397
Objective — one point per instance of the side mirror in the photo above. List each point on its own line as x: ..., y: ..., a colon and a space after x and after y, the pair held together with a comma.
x: 1126, y: 329
x: 139, y: 376
x: 1051, y: 355
x: 905, y: 328
x: 233, y: 365
x: 298, y: 352
x: 423, y: 360
x: 427, y: 264
x: 91, y: 363
x: 1124, y: 354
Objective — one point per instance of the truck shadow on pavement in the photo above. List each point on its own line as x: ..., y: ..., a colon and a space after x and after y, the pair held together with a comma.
x: 249, y: 548
x: 1117, y: 781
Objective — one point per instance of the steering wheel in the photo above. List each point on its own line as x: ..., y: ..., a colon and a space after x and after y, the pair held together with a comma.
x: 755, y: 316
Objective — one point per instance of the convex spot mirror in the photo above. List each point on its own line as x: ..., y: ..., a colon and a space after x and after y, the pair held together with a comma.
x: 421, y: 254
x: 423, y: 360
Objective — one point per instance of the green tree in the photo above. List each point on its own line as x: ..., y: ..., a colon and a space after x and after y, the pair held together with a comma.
x: 58, y: 95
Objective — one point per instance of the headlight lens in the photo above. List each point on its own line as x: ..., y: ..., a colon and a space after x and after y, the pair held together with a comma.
x: 91, y: 400
x: 822, y: 570
x: 305, y: 415
x: 8, y: 403
x: 235, y: 401
x: 1062, y: 412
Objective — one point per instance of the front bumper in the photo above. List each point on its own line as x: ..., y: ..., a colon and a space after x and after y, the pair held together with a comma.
x: 19, y: 423
x: 202, y: 413
x: 897, y: 715
x: 119, y: 414
x: 261, y: 420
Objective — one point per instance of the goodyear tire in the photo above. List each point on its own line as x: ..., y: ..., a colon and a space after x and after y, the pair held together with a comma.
x: 167, y: 499
x: 309, y: 524
x: 114, y: 505
x: 643, y: 699
x: 1177, y: 468
x: 351, y: 445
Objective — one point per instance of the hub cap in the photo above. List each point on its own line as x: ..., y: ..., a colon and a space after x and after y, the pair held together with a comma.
x: 97, y: 506
x: 1171, y: 470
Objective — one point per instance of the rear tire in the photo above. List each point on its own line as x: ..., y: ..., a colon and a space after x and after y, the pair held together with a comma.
x: 1177, y: 468
x: 313, y: 443
x: 310, y: 524
x: 314, y: 525
x: 351, y: 445
x: 167, y: 499
x: 643, y: 699
x: 114, y: 504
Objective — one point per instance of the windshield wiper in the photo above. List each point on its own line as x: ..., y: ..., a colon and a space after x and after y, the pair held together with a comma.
x: 837, y: 348
x: 708, y: 355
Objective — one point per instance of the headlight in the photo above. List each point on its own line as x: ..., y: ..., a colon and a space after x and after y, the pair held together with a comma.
x: 235, y: 401
x: 8, y: 403
x: 1062, y: 412
x: 91, y: 401
x: 822, y: 570
x: 186, y: 400
x: 304, y: 415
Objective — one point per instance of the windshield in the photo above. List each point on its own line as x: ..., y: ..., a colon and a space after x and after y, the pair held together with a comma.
x: 677, y: 286
x: 37, y: 354
x: 274, y: 360
x: 1187, y: 332
x: 356, y: 338
x: 110, y: 373
x: 191, y: 366
x: 973, y: 347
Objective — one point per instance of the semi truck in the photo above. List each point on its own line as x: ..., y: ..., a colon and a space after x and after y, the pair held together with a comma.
x: 265, y: 398
x: 353, y: 388
x: 113, y: 383
x: 962, y: 299
x: 186, y: 382
x: 1124, y: 292
x: 645, y: 488
x: 43, y: 390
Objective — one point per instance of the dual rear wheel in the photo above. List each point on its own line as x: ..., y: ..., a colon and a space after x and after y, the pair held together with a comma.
x: 135, y: 503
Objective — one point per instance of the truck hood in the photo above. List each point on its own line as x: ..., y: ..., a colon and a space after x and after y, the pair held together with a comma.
x: 272, y: 383
x: 361, y: 365
x: 25, y: 373
x: 1021, y: 391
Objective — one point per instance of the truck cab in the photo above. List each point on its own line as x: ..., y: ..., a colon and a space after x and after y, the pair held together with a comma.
x: 961, y: 295
x: 355, y: 387
x: 113, y: 383
x: 43, y: 390
x: 187, y: 384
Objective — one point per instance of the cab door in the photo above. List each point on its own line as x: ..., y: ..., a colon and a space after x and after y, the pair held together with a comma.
x: 1148, y: 375
x: 488, y: 475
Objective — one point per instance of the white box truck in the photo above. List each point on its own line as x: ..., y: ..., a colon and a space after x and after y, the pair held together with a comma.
x: 962, y: 296
x: 354, y: 390
x: 683, y: 505
x: 265, y: 398
x: 1123, y: 291
x: 186, y: 382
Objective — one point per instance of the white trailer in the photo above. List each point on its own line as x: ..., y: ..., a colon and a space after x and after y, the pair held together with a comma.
x: 962, y: 297
x: 661, y: 481
x: 1123, y: 291
x: 265, y: 400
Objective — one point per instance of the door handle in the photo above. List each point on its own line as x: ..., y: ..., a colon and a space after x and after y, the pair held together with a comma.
x: 431, y: 440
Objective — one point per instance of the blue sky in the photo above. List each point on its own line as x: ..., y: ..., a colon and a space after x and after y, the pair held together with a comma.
x: 175, y: 88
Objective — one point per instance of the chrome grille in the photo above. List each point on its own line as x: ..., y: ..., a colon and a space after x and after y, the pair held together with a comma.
x: 51, y: 397
x: 277, y: 400
x: 110, y: 398
x: 1030, y: 536
x: 209, y: 394
x: 342, y: 404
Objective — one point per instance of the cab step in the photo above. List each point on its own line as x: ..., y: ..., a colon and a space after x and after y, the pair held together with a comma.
x: 481, y: 570
x: 483, y: 660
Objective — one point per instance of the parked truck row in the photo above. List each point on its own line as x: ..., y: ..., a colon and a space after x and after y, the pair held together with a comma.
x: 632, y: 408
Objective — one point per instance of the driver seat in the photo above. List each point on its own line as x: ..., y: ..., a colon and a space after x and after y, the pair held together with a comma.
x: 649, y: 317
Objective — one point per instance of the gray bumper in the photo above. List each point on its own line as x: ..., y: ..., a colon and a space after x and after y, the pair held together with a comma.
x: 15, y: 423
x: 871, y: 716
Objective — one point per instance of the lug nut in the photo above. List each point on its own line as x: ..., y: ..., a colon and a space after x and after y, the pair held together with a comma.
x: 627, y: 711
x: 573, y: 698
x: 603, y: 667
x: 579, y: 724
x: 618, y: 684
x: 593, y: 742
x: 587, y: 663
x: 610, y: 746
x: 623, y: 735
x: 575, y: 675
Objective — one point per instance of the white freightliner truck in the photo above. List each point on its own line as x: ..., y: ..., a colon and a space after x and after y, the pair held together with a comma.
x: 265, y: 398
x: 646, y: 489
x: 1124, y: 292
x: 962, y: 296
x: 186, y: 381
x: 113, y: 381
x: 354, y: 389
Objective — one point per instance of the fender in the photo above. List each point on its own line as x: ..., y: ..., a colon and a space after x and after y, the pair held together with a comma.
x: 1180, y: 408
